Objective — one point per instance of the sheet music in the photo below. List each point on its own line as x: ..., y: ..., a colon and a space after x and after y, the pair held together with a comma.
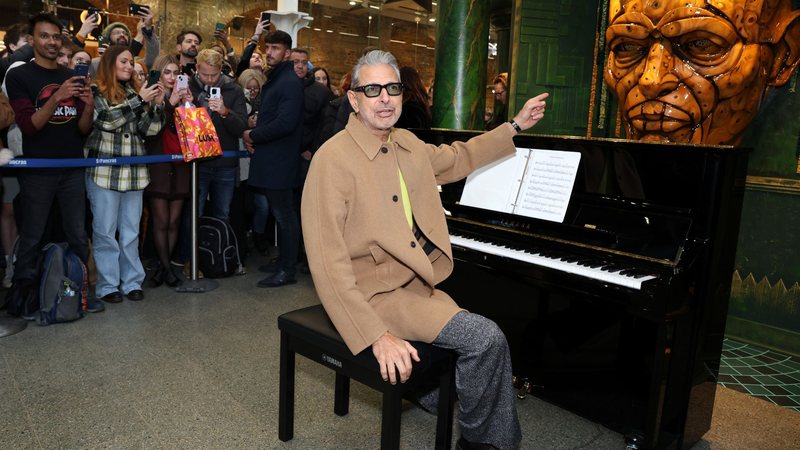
x: 534, y: 183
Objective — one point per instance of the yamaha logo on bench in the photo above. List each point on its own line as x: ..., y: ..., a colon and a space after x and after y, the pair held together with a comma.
x: 331, y: 360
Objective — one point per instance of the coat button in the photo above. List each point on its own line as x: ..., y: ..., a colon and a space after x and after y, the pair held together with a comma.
x: 394, y: 198
x: 384, y: 150
x: 413, y: 244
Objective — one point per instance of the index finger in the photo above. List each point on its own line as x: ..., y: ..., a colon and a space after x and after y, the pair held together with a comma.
x: 541, y: 96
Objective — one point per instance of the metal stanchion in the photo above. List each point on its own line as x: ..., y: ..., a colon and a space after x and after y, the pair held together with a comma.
x: 196, y: 285
x: 11, y: 325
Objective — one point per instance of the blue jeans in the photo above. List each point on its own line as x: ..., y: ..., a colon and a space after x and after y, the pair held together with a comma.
x: 260, y: 212
x: 118, y: 265
x: 281, y: 201
x: 220, y: 183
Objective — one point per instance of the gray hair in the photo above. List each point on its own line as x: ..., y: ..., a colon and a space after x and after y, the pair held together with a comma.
x: 374, y: 58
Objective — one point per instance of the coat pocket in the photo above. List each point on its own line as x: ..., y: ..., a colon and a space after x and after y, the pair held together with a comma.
x: 383, y: 263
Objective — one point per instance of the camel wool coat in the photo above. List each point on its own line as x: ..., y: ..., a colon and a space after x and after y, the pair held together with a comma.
x: 370, y: 272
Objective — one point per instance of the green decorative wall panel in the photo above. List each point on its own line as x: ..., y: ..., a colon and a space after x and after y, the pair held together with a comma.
x: 554, y: 51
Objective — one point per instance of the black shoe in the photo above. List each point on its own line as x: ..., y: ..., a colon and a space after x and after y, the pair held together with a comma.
x: 260, y: 242
x: 280, y: 278
x: 158, y: 277
x: 135, y: 295
x: 114, y: 297
x: 270, y: 267
x: 94, y: 305
x: 171, y: 279
x: 464, y: 444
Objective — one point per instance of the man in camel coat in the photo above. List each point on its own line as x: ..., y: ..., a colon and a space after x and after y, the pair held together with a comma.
x: 377, y: 245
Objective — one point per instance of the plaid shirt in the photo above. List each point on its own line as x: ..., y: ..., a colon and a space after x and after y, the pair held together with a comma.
x: 119, y: 130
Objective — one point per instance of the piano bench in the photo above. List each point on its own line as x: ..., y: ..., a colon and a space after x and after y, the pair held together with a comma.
x: 310, y: 333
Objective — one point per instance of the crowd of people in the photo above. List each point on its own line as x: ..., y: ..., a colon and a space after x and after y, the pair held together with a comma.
x: 274, y: 104
x: 377, y: 287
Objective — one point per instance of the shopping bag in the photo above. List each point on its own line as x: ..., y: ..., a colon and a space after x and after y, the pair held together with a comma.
x: 196, y: 133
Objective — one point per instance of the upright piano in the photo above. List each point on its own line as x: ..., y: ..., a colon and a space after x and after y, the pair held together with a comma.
x: 618, y: 312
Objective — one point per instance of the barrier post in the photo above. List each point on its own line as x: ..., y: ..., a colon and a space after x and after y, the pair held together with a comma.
x: 196, y: 285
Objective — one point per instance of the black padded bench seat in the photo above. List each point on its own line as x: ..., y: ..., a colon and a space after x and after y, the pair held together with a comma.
x: 309, y: 332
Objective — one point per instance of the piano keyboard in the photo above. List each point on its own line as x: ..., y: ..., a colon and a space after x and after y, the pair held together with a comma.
x: 616, y: 275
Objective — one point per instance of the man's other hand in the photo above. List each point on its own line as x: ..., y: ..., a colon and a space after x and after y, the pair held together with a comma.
x: 393, y: 352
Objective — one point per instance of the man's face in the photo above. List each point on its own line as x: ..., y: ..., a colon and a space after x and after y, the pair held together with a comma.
x: 80, y: 57
x: 118, y: 36
x: 378, y: 114
x: 189, y: 45
x: 46, y: 42
x: 300, y: 61
x: 256, y: 62
x: 276, y: 54
x: 208, y: 74
x: 683, y: 72
x: 500, y: 94
x: 22, y: 42
x: 64, y: 55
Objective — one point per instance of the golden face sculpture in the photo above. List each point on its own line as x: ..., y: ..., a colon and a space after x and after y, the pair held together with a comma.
x: 694, y: 71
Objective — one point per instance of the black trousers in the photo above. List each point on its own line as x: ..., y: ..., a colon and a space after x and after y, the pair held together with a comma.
x: 38, y: 191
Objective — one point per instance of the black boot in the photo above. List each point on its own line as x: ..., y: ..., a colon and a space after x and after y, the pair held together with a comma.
x: 171, y: 279
x: 158, y: 277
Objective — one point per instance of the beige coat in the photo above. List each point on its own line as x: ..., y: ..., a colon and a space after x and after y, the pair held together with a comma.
x: 370, y: 272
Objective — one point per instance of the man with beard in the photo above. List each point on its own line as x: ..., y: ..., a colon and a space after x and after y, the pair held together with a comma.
x: 54, y: 111
x: 188, y: 44
x: 696, y: 71
x: 275, y: 145
x: 117, y: 33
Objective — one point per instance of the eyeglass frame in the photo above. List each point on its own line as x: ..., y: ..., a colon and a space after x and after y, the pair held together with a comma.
x: 363, y: 88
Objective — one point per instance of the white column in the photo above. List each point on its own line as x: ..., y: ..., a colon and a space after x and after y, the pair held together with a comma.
x: 287, y: 18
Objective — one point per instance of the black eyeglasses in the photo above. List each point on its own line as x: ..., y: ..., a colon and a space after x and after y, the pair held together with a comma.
x: 374, y: 90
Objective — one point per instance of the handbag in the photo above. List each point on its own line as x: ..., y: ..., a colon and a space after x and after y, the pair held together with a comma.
x: 196, y: 133
x: 170, y: 142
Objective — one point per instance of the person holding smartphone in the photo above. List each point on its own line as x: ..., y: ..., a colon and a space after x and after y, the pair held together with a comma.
x: 125, y: 112
x: 252, y: 45
x: 169, y: 182
x: 228, y: 109
x: 53, y: 112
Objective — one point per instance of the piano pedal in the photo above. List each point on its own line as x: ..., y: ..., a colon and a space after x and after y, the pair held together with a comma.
x: 524, y: 387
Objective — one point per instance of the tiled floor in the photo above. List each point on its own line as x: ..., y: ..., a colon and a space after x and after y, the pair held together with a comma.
x: 762, y: 373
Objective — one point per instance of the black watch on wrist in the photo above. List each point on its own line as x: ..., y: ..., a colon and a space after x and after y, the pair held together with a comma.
x: 516, y: 126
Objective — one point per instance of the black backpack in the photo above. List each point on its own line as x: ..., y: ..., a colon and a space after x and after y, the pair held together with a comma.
x: 57, y: 293
x: 217, y: 248
x: 63, y: 286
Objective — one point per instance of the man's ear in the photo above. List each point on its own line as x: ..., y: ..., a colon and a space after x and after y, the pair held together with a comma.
x: 351, y: 96
x: 786, y: 51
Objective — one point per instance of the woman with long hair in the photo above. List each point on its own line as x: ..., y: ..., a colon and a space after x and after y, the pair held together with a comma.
x: 169, y: 182
x: 321, y: 77
x: 124, y: 114
x: 251, y: 81
x: 416, y: 112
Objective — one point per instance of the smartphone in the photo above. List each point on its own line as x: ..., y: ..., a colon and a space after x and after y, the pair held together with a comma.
x: 265, y: 17
x: 134, y: 9
x: 219, y: 26
x: 182, y: 82
x: 214, y: 93
x: 92, y: 10
x: 81, y: 70
x: 153, y: 76
x: 189, y: 69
